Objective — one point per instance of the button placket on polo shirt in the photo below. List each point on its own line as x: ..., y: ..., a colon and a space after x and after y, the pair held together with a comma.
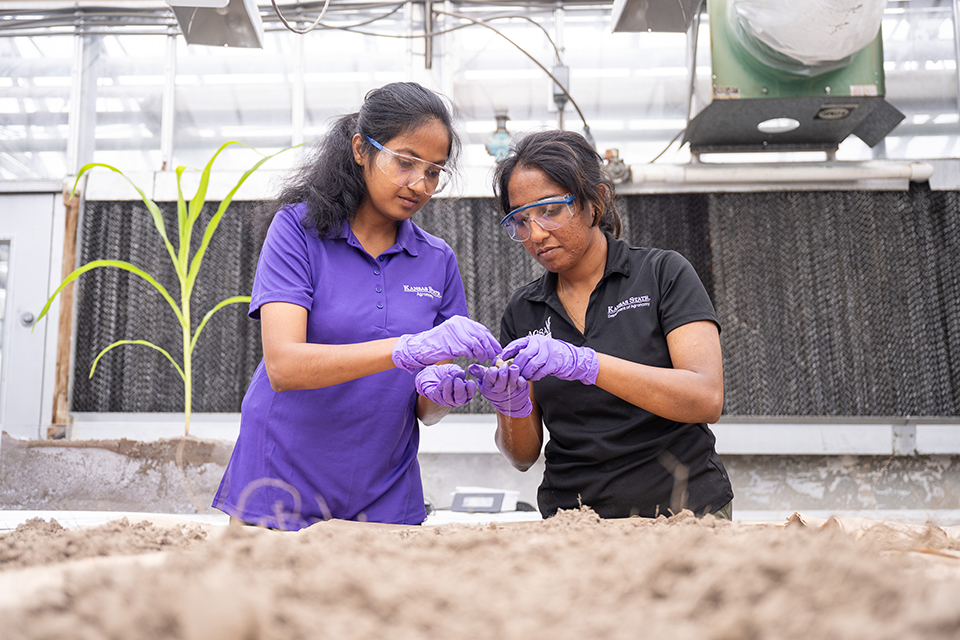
x: 378, y: 287
x: 381, y: 286
x: 592, y: 315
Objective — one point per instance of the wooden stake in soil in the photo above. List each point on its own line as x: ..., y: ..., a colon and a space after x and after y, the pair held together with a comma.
x: 61, y: 388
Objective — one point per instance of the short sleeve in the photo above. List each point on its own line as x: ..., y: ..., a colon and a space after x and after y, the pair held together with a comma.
x: 683, y: 298
x: 283, y: 269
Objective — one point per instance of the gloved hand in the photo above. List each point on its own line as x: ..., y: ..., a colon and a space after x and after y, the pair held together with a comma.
x: 445, y: 384
x: 540, y: 356
x: 505, y: 388
x: 457, y: 337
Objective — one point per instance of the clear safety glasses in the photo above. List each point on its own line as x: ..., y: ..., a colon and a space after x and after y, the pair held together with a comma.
x: 550, y: 214
x: 406, y: 171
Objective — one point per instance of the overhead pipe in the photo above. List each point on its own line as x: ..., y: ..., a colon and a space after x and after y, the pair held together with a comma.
x: 780, y: 174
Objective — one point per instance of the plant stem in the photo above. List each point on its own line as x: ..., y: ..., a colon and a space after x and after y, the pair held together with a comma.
x: 187, y: 364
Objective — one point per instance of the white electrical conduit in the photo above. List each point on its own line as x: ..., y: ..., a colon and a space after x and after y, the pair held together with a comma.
x: 785, y: 174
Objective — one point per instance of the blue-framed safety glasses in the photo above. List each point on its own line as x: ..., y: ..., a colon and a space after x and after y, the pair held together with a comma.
x: 550, y: 213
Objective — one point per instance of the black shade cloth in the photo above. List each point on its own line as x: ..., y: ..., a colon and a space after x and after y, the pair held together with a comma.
x: 831, y: 303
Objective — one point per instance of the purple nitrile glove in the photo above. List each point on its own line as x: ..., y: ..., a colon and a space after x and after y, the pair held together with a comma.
x: 457, y: 337
x: 505, y: 388
x: 445, y: 384
x: 540, y: 356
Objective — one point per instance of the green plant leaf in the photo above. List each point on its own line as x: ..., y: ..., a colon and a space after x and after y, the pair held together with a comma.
x: 187, y: 269
x: 119, y: 264
x: 200, y: 198
x: 215, y: 220
x: 151, y: 206
x: 185, y: 230
x: 142, y: 342
x: 220, y: 305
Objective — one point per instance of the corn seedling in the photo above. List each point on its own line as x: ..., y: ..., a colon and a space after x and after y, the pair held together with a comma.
x: 186, y: 267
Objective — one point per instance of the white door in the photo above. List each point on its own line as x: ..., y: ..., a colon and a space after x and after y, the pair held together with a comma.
x: 30, y: 257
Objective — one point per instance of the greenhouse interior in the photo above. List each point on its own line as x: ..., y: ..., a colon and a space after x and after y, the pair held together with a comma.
x: 805, y: 161
x: 284, y: 355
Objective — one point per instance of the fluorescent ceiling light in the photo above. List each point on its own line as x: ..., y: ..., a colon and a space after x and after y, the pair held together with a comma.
x: 51, y: 81
x: 667, y: 72
x: 600, y: 73
x: 139, y: 81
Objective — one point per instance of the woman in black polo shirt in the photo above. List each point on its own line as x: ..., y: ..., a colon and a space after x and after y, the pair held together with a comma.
x: 621, y: 345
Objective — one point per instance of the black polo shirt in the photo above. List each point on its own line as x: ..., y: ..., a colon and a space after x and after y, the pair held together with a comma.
x: 604, y: 452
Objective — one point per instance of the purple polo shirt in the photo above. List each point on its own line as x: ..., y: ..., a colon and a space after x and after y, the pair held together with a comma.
x: 348, y: 451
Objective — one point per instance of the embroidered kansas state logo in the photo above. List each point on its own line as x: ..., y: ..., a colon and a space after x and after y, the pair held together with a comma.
x: 630, y: 303
x: 422, y: 292
x: 545, y: 331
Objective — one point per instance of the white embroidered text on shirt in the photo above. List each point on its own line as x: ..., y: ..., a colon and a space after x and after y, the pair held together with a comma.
x: 630, y: 303
x: 545, y: 331
x: 423, y: 292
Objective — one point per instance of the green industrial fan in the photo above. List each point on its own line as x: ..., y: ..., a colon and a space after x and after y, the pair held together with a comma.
x: 765, y: 98
x: 786, y: 76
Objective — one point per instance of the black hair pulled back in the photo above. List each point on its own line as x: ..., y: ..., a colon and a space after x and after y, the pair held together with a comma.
x: 328, y: 180
x: 569, y: 160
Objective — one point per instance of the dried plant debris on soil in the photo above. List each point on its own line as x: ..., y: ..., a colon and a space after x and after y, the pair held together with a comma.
x: 573, y: 576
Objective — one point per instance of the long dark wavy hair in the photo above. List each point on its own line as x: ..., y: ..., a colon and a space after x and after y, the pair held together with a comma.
x: 570, y: 161
x: 330, y: 182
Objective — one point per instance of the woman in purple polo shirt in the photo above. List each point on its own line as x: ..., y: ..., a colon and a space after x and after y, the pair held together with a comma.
x: 357, y: 306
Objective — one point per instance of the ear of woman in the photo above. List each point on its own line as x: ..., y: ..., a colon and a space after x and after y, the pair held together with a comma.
x: 597, y: 214
x: 357, y: 144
